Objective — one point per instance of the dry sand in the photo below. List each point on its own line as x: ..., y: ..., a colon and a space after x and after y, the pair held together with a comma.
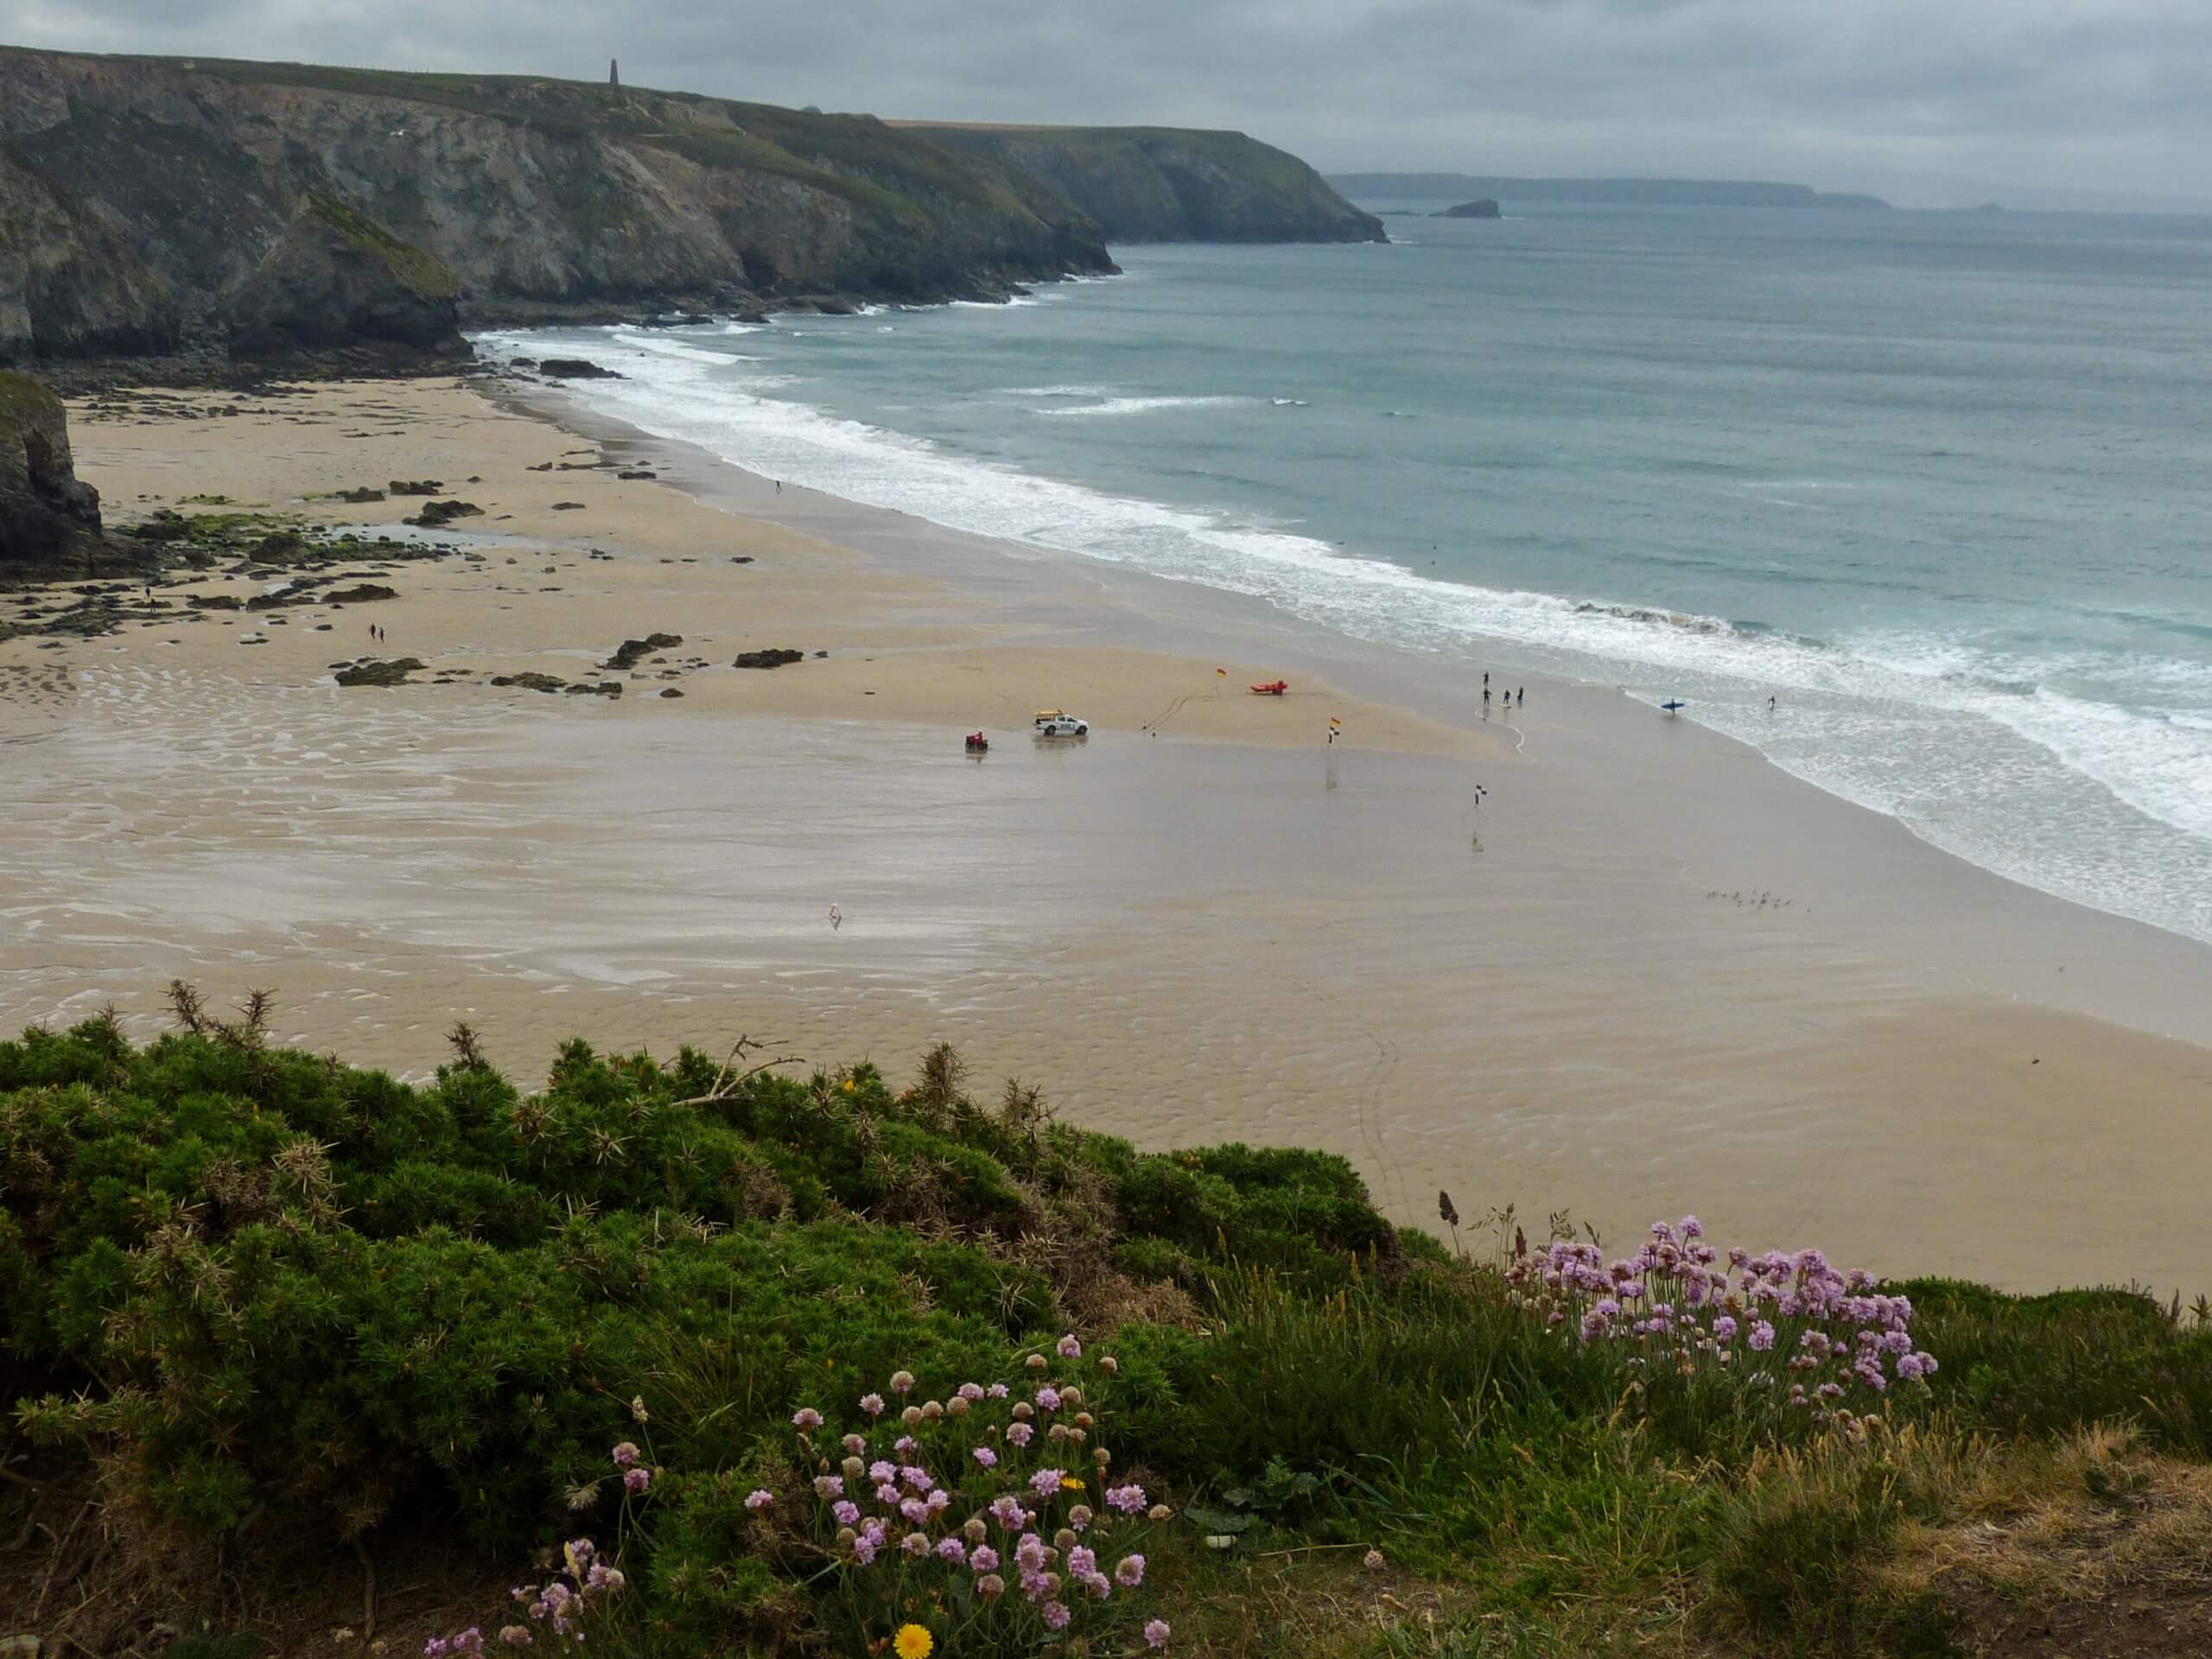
x: 1649, y: 976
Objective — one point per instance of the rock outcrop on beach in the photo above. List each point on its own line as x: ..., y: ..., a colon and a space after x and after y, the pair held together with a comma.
x: 45, y: 510
x: 1172, y: 184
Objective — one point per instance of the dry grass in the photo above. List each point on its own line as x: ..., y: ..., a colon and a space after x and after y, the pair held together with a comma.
x: 2079, y: 1520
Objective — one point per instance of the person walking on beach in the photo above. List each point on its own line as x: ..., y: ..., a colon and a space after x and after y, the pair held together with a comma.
x: 1519, y: 696
x: 837, y: 918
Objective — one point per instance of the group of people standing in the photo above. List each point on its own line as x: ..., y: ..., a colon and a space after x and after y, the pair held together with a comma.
x: 1515, y: 698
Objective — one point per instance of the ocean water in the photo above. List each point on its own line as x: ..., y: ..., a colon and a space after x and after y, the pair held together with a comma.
x: 1941, y: 485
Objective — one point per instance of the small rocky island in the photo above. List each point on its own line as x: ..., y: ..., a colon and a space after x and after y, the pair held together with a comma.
x: 1484, y: 207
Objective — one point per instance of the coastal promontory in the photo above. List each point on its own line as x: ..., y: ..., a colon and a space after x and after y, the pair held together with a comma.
x: 157, y: 206
x: 1172, y: 184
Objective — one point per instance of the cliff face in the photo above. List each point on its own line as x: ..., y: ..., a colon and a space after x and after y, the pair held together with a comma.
x: 1165, y: 184
x: 147, y: 204
x: 45, y: 509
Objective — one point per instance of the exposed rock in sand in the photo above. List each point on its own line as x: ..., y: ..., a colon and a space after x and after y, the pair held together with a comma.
x: 45, y: 510
x: 369, y: 671
x: 634, y: 651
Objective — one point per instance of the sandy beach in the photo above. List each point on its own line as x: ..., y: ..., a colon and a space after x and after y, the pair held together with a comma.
x: 1649, y: 973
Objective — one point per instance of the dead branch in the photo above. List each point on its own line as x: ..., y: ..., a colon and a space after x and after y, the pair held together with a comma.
x: 731, y: 1079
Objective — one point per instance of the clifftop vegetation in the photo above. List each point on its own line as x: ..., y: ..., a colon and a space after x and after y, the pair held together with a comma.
x: 300, y: 1346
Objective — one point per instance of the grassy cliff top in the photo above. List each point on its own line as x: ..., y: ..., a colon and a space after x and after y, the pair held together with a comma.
x: 851, y: 155
x: 22, y: 397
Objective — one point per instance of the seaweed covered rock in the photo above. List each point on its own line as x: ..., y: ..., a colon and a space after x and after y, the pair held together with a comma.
x: 371, y: 671
x: 439, y: 514
x: 336, y: 277
x: 45, y: 510
x: 634, y: 651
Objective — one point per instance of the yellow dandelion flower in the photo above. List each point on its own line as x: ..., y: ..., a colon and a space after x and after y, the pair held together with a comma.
x: 1070, y: 1483
x: 913, y: 1642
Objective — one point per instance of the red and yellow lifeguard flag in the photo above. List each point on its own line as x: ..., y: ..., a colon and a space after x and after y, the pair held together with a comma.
x: 1333, y: 720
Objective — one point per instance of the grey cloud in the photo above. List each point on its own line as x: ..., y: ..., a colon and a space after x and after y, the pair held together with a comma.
x: 2078, y: 94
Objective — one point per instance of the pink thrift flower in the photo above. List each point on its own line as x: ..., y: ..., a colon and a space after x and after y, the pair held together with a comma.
x: 1019, y: 1434
x: 758, y: 1499
x: 847, y: 1512
x: 1070, y: 1348
x: 1156, y: 1632
x: 987, y: 1458
x: 951, y: 1549
x: 1048, y: 1399
x: 806, y: 1417
x: 1130, y: 1571
x: 636, y: 1480
x: 624, y: 1455
x: 1046, y: 1482
x: 871, y: 1404
x: 984, y: 1559
x: 1055, y: 1615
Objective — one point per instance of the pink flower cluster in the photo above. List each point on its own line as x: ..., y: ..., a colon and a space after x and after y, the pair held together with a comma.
x: 1836, y: 1335
x: 989, y: 1488
x: 559, y: 1606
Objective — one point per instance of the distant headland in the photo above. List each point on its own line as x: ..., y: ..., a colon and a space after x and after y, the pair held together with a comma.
x: 1639, y: 193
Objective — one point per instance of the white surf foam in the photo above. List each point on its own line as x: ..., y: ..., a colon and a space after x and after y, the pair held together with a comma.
x: 1144, y: 405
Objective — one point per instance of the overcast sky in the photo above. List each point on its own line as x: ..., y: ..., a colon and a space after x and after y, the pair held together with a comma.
x: 1921, y: 100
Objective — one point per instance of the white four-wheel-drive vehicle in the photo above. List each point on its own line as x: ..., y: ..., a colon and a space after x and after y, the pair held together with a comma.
x: 1055, y: 722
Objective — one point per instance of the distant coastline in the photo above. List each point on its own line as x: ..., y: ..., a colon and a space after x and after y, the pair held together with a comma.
x: 1644, y: 192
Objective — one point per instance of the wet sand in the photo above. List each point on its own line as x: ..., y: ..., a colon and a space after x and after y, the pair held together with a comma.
x: 1650, y: 974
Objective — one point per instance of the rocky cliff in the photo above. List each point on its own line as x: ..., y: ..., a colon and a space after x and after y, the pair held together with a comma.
x: 1169, y: 184
x: 147, y: 205
x: 45, y: 510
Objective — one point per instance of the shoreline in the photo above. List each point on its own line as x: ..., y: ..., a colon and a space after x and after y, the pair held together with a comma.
x: 1197, y: 621
x: 1567, y: 997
